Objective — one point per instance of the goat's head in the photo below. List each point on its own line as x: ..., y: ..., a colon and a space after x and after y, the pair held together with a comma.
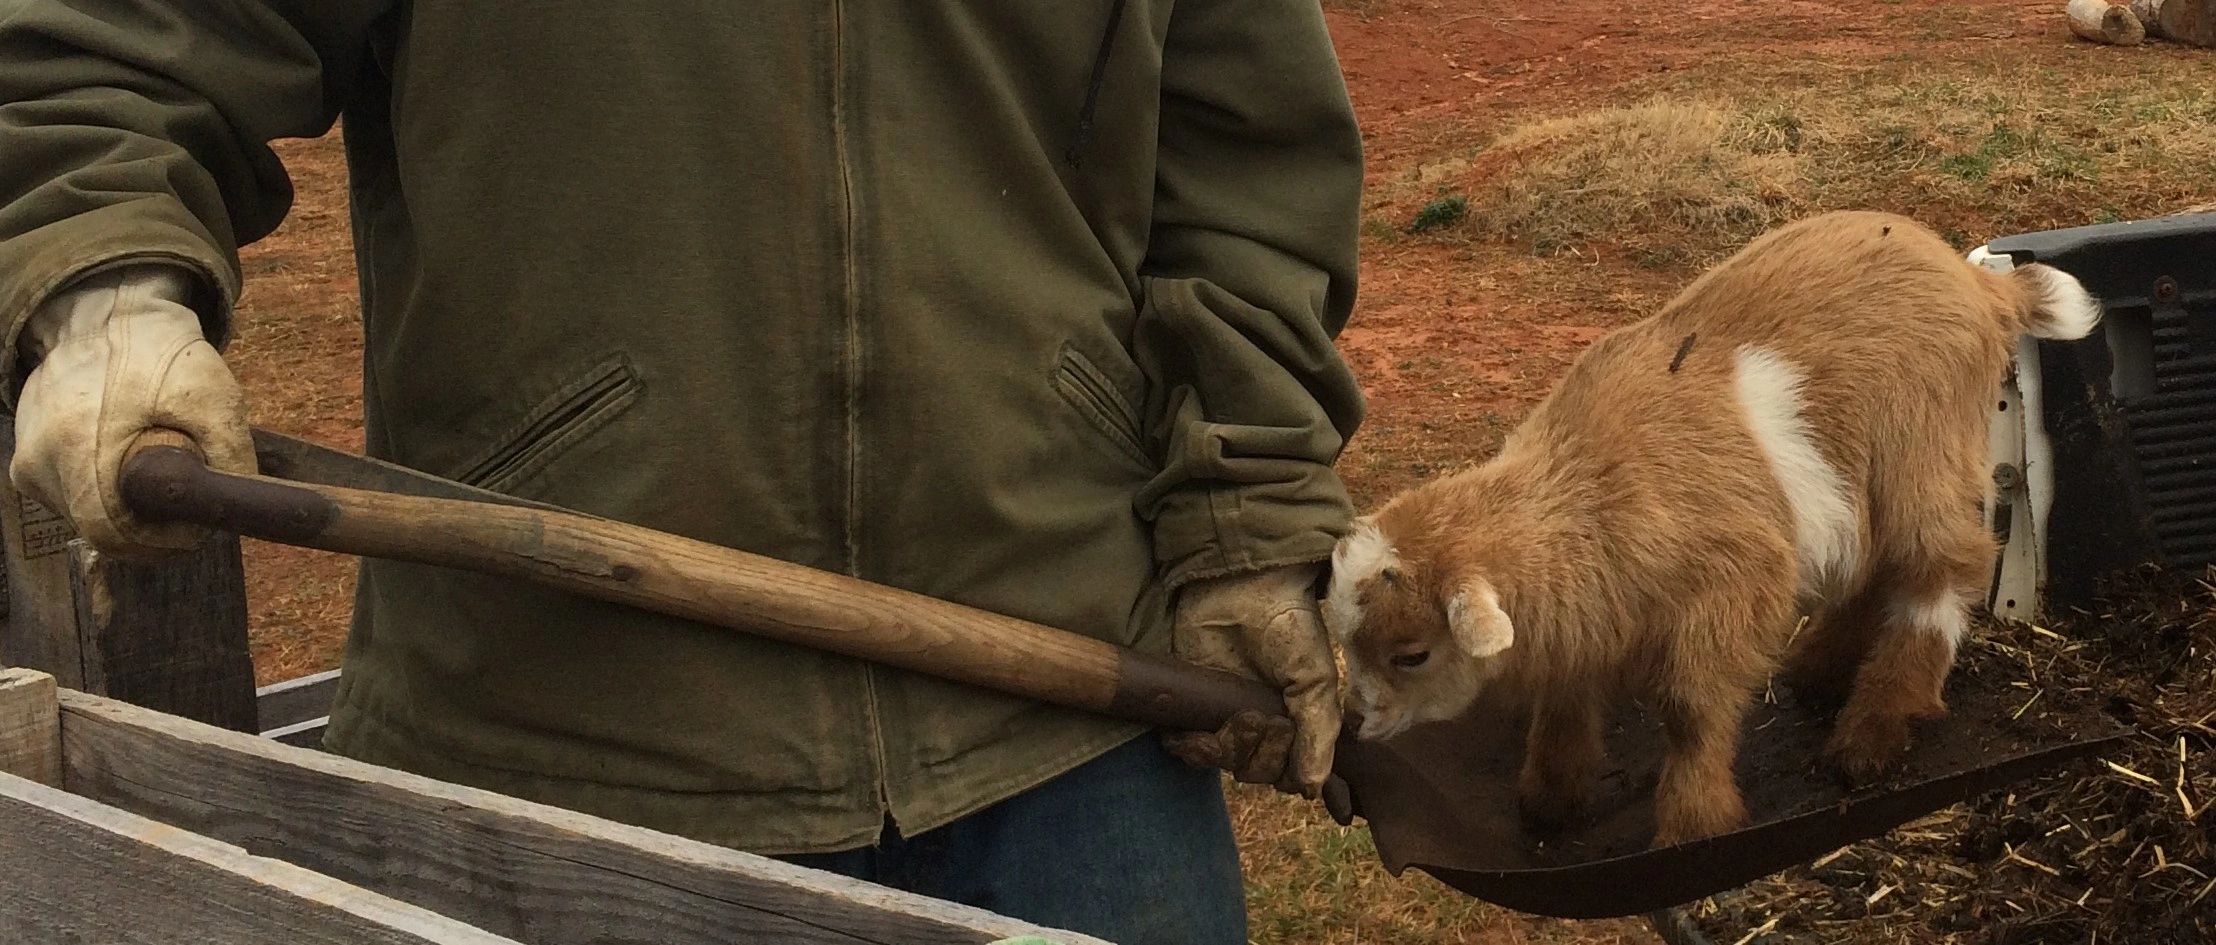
x: 1420, y: 643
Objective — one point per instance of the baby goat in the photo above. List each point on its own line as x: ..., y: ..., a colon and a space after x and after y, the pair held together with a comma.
x: 1801, y: 431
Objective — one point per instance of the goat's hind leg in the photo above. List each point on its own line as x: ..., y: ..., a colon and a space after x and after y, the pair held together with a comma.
x: 1903, y: 679
x: 1821, y: 662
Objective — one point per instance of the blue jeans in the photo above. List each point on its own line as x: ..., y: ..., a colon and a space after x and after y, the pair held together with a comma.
x: 1134, y: 847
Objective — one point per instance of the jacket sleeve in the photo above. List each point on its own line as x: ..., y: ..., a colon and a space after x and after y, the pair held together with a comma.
x: 138, y: 130
x: 1248, y: 278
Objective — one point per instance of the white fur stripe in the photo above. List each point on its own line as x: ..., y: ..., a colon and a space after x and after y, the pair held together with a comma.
x: 1358, y: 557
x: 1824, y: 526
x: 1944, y: 615
x: 2067, y: 312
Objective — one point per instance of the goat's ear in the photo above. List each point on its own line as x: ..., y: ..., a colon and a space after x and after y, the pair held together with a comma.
x: 1479, y: 626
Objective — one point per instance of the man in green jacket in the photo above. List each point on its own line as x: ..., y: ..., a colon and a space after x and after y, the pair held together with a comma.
x: 1024, y: 306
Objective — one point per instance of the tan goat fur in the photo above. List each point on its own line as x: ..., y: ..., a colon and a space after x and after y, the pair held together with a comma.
x: 1800, y: 432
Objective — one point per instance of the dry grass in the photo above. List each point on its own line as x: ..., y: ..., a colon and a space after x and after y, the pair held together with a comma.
x: 1655, y: 175
x: 298, y: 354
x: 1312, y: 881
x: 1992, y: 151
x: 1688, y: 169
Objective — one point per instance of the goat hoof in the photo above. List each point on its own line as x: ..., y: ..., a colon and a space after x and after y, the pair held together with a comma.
x: 1548, y: 813
x: 1816, y: 691
x: 1552, y: 806
x: 1863, y: 751
x: 1689, y: 826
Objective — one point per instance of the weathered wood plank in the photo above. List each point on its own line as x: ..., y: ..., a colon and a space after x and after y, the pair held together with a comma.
x: 296, y: 700
x: 528, y: 871
x: 41, y: 630
x: 78, y: 871
x: 30, y: 727
x: 171, y: 635
x: 308, y: 734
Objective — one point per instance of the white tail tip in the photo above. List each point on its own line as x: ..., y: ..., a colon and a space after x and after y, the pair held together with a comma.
x: 2064, y: 311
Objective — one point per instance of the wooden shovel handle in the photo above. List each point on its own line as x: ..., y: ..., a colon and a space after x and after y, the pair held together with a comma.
x: 164, y: 480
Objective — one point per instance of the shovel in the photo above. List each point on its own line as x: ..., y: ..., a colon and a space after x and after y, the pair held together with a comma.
x: 1440, y: 798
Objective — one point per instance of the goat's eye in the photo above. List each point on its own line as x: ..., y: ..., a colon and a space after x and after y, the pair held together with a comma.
x: 1411, y: 660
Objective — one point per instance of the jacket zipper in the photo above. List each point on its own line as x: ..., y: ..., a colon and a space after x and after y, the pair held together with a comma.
x: 853, y: 383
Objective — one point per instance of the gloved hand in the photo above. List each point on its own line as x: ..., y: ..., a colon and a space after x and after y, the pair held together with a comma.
x: 1263, y: 625
x: 116, y: 354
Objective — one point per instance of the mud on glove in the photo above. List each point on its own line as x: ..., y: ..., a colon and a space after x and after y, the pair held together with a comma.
x: 1263, y: 625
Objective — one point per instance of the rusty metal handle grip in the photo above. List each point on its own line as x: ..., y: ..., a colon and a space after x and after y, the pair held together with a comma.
x: 164, y: 480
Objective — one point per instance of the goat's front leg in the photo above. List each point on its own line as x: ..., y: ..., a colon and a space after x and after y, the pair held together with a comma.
x: 1698, y: 795
x: 1721, y: 653
x: 1563, y: 752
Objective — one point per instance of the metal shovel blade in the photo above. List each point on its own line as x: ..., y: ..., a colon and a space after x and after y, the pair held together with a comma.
x: 1442, y: 798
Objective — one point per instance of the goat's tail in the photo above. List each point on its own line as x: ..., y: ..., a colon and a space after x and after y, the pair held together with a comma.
x: 2046, y: 302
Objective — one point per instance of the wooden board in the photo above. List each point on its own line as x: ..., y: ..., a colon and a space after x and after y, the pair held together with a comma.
x: 295, y: 701
x: 308, y: 734
x: 170, y: 636
x: 40, y: 632
x: 76, y: 871
x: 30, y: 727
x: 529, y: 871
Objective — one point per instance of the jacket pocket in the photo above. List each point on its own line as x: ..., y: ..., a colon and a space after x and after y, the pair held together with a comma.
x: 1087, y: 388
x: 574, y: 412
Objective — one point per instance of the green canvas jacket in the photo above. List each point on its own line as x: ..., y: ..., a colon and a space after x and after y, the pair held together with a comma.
x: 1028, y: 306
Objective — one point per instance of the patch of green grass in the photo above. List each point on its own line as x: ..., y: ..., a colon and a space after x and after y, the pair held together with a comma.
x: 2045, y: 158
x: 1444, y: 212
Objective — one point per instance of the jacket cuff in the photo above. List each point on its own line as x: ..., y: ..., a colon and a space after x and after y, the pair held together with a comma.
x: 36, y: 266
x: 1214, y: 531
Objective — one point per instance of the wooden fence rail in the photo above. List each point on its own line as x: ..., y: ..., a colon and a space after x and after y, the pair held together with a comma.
x: 311, y: 847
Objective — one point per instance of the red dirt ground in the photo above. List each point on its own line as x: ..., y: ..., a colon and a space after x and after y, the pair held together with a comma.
x: 1450, y: 352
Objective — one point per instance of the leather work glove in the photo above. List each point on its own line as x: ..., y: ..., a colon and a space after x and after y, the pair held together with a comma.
x: 119, y: 353
x: 1263, y: 625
